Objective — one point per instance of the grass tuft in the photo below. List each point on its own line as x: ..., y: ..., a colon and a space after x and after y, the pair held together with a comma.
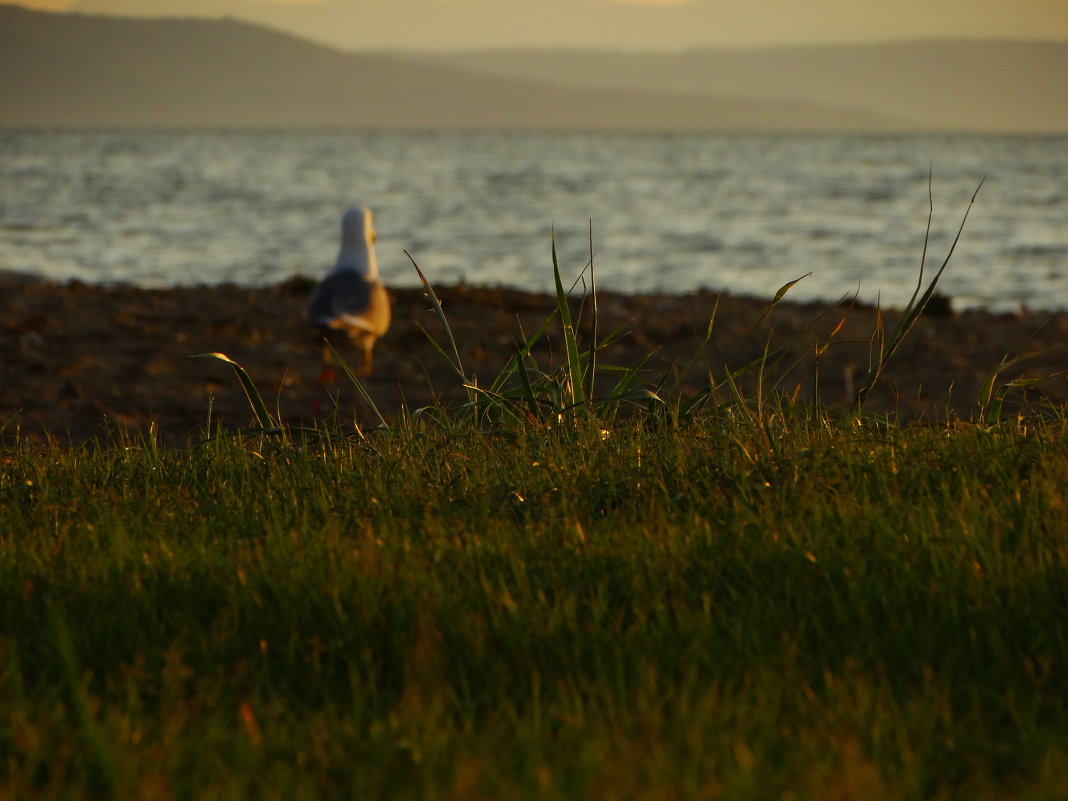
x: 887, y: 346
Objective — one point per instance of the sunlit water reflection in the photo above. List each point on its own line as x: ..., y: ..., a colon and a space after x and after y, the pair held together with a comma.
x: 743, y: 213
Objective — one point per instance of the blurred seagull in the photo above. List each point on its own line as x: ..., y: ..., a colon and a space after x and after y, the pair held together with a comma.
x: 351, y: 297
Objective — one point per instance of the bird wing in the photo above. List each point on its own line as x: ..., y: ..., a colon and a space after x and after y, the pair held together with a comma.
x: 347, y: 299
x: 341, y: 293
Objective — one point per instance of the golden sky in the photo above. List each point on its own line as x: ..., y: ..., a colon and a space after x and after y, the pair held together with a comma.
x: 62, y: 5
x: 662, y: 23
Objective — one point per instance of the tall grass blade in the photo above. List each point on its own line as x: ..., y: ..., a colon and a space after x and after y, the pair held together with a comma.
x: 497, y: 401
x: 574, y: 365
x: 701, y: 349
x: 441, y: 352
x: 592, y: 366
x: 259, y: 408
x: 359, y: 388
x: 524, y: 380
x: 779, y: 295
x: 926, y: 235
x: 630, y: 374
x: 910, y: 314
x: 455, y: 361
x: 521, y: 353
x: 991, y: 401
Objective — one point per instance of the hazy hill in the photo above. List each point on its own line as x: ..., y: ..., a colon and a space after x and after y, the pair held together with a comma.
x: 78, y: 70
x: 470, y: 24
x: 967, y: 85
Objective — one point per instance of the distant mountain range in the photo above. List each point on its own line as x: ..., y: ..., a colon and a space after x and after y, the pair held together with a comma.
x: 583, y: 24
x: 938, y: 84
x: 92, y: 71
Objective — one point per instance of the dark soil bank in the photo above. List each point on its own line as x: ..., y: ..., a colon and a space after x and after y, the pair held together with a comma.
x: 80, y: 361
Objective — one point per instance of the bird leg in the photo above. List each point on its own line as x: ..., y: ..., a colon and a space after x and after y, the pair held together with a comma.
x: 328, y: 376
x: 365, y: 366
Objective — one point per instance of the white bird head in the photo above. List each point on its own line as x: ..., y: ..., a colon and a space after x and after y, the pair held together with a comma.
x: 358, y: 243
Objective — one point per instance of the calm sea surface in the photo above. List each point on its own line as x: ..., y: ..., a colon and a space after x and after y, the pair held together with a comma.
x: 743, y: 213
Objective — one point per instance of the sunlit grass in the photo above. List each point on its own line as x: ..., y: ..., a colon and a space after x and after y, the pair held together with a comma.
x: 718, y: 607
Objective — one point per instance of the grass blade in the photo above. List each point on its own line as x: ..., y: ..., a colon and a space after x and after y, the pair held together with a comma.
x: 591, y: 368
x: 359, y: 388
x: 574, y: 365
x: 497, y: 401
x: 779, y: 295
x: 528, y: 388
x: 510, y: 367
x: 259, y: 408
x: 910, y: 314
x: 457, y: 365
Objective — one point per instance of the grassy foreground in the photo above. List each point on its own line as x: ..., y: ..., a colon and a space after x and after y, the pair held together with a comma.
x: 720, y: 607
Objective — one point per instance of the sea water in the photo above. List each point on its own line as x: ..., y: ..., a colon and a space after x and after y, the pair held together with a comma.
x: 743, y: 213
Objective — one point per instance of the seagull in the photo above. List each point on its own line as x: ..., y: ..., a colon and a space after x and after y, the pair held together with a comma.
x: 351, y: 298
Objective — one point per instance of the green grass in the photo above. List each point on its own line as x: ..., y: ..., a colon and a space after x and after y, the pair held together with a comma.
x: 716, y: 608
x: 576, y: 585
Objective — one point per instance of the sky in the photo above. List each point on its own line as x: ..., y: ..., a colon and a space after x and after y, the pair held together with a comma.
x: 653, y: 24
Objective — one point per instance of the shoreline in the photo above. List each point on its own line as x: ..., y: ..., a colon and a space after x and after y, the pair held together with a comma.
x: 84, y: 361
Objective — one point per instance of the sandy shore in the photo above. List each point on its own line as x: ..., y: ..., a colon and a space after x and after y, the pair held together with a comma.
x: 81, y: 361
